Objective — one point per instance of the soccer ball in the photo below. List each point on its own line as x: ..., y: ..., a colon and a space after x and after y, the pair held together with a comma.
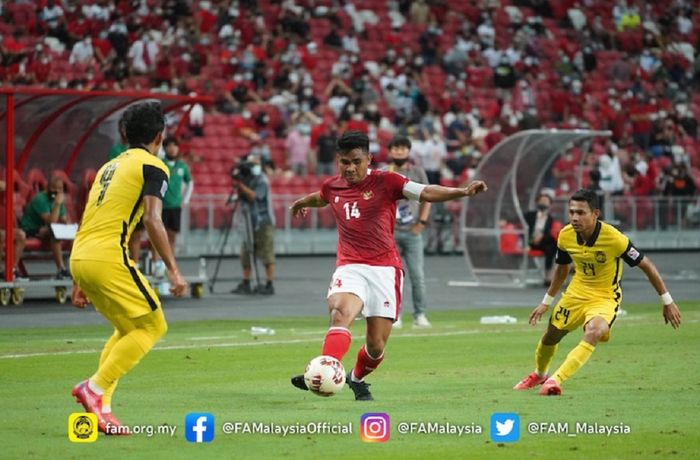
x: 324, y: 376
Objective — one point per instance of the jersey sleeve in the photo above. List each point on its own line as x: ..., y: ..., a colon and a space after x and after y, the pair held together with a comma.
x: 394, y: 185
x: 563, y: 257
x: 632, y: 256
x: 324, y: 190
x: 155, y: 181
x: 187, y: 177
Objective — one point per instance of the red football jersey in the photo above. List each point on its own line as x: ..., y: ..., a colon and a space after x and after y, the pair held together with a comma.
x: 365, y: 213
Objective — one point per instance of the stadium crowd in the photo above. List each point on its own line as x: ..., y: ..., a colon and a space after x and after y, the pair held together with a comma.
x: 455, y: 76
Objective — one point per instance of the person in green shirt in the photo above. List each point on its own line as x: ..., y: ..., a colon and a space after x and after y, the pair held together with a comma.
x: 44, y: 209
x: 179, y: 191
x: 120, y: 146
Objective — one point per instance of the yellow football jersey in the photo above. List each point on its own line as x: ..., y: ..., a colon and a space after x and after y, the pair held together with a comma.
x: 115, y: 205
x: 598, y: 261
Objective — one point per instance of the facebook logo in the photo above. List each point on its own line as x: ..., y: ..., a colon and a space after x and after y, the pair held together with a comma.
x: 199, y: 427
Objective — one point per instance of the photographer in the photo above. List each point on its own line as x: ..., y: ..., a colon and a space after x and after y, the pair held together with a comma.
x: 254, y: 192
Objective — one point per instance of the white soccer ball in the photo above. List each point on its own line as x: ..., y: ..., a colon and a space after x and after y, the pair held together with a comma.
x: 324, y: 376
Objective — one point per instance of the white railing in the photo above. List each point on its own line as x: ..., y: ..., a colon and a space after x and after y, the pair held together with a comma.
x: 651, y: 222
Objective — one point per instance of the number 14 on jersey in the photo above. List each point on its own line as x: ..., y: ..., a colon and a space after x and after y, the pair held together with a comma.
x: 351, y: 210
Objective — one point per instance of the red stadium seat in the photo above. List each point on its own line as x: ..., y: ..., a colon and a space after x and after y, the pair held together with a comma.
x: 36, y: 180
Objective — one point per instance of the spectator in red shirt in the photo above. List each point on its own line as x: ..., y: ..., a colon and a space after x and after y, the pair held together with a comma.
x: 205, y: 17
x: 164, y: 68
x: 640, y: 116
x: 639, y: 182
x: 39, y: 67
x: 559, y: 102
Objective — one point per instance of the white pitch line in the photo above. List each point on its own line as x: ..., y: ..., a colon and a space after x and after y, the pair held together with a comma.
x: 213, y: 337
x: 273, y: 342
x: 233, y: 345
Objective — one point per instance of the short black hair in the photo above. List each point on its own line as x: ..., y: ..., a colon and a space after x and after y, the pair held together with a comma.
x: 587, y: 195
x: 170, y: 140
x: 143, y: 122
x: 351, y: 140
x: 400, y: 141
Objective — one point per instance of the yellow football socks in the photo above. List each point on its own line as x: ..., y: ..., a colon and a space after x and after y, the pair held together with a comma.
x: 129, y: 349
x: 107, y: 395
x: 543, y: 357
x: 576, y: 358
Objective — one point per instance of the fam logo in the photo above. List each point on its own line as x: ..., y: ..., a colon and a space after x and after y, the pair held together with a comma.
x: 600, y: 257
x: 82, y: 427
x: 367, y: 195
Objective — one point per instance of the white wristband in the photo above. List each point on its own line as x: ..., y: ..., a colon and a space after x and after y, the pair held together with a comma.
x: 666, y: 298
x: 548, y: 299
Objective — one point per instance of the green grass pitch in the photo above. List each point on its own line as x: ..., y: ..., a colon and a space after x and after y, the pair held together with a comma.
x: 459, y: 372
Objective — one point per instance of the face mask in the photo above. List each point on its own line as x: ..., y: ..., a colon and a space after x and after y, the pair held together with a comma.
x: 400, y: 161
x: 542, y: 207
x: 256, y: 170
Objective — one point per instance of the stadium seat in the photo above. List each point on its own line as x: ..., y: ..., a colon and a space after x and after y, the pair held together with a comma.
x: 36, y: 180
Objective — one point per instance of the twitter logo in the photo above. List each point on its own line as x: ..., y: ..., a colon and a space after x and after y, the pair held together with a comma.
x: 505, y: 427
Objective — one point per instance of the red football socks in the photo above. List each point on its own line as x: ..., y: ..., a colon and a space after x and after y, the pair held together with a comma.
x: 337, y: 342
x: 365, y: 363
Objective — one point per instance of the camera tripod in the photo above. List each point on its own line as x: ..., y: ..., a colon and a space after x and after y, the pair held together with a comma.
x: 248, y: 239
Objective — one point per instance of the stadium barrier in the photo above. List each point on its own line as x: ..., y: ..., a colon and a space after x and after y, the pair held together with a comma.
x: 652, y: 222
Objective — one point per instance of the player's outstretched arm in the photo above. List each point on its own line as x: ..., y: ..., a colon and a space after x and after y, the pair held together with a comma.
x: 560, y: 275
x: 438, y: 193
x: 152, y: 220
x: 671, y: 312
x: 312, y: 200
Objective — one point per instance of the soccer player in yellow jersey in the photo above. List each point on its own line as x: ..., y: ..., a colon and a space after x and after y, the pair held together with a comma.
x: 131, y: 185
x: 593, y: 297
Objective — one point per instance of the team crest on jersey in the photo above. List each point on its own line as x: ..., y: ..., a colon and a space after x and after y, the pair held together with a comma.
x: 367, y: 195
x: 600, y: 257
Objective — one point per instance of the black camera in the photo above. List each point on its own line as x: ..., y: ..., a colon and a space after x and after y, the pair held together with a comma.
x: 242, y: 170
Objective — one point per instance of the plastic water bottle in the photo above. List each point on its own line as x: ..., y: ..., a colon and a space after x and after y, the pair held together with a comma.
x: 164, y: 288
x: 503, y: 319
x: 257, y: 330
x: 159, y: 269
x: 202, y: 268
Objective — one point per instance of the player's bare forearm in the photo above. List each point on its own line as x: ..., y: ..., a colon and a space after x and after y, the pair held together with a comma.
x: 312, y: 200
x: 649, y: 269
x: 671, y: 312
x: 558, y: 279
x: 152, y: 211
x: 152, y: 220
x: 438, y: 193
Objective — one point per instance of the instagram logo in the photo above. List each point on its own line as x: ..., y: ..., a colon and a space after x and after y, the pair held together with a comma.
x: 374, y: 427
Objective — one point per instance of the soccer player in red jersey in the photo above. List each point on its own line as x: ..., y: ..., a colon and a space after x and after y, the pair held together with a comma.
x: 369, y: 277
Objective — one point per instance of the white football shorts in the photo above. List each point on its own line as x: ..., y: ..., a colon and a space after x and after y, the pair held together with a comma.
x: 379, y: 287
